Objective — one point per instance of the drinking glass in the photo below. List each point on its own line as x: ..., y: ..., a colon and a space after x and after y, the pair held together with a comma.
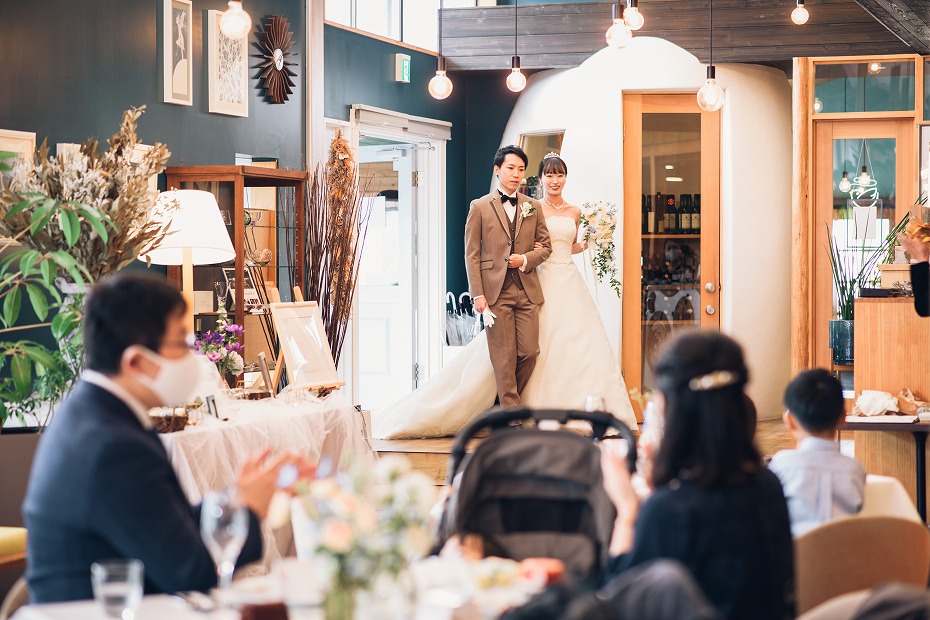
x: 224, y: 525
x: 117, y: 586
x: 592, y: 402
x: 221, y: 287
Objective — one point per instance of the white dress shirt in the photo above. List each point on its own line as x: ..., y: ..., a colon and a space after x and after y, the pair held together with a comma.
x: 102, y: 381
x: 819, y: 483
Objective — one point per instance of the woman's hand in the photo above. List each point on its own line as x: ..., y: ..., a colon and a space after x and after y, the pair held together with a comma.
x: 619, y: 488
x: 537, y: 245
x: 919, y: 250
x: 257, y: 481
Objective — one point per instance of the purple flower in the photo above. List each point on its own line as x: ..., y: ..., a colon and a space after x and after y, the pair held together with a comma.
x: 214, y: 356
x: 232, y: 328
x: 198, y: 344
x: 211, y: 338
x: 234, y: 346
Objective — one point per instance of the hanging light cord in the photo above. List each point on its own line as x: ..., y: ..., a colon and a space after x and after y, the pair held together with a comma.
x: 711, y: 32
x: 515, y: 13
x: 440, y: 28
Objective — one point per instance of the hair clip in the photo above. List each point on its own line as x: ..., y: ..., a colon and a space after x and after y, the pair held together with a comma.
x: 551, y: 154
x: 713, y: 381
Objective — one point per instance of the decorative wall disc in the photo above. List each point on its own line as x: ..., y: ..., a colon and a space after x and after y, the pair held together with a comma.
x: 274, y: 42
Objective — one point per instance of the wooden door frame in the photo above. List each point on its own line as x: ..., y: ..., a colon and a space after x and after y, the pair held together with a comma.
x: 634, y: 106
x: 816, y: 313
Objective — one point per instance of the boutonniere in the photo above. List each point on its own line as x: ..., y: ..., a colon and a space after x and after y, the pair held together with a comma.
x: 527, y: 209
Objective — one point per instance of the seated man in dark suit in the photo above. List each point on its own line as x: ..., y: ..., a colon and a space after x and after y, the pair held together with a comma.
x: 101, y: 484
x: 920, y: 272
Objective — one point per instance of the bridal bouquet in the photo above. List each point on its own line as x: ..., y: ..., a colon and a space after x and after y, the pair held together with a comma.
x: 222, y: 347
x: 367, y: 523
x: 599, y: 221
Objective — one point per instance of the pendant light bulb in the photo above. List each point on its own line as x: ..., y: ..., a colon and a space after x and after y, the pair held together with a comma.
x: 864, y: 178
x: 818, y: 105
x: 440, y: 86
x: 710, y: 97
x: 235, y: 22
x: 618, y: 35
x: 516, y: 81
x: 875, y: 68
x: 800, y: 15
x: 633, y: 19
x: 845, y: 185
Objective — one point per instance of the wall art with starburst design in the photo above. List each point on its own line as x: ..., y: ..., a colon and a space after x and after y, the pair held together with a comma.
x: 275, y: 70
x: 227, y: 70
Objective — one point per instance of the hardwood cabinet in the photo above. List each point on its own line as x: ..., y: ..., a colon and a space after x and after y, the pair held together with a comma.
x: 264, y: 212
x: 671, y: 226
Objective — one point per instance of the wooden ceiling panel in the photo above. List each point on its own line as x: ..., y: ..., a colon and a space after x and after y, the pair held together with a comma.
x: 563, y: 35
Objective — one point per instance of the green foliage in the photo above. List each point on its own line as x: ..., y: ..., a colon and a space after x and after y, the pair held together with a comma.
x: 850, y: 274
x: 32, y: 375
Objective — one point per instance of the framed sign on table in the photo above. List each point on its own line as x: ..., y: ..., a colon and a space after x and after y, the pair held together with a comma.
x: 177, y: 19
x: 304, y: 345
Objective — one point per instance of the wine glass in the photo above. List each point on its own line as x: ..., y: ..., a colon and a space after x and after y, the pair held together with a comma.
x: 221, y: 288
x: 224, y: 525
x: 593, y: 402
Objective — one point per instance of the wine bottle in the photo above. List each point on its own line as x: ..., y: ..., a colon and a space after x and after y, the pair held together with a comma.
x: 671, y: 223
x: 685, y: 202
x: 696, y: 215
x: 650, y: 217
x: 660, y: 213
x: 643, y: 208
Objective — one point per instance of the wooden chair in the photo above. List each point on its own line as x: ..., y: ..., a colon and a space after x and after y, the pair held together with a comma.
x: 856, y: 553
x: 17, y: 597
x: 12, y: 548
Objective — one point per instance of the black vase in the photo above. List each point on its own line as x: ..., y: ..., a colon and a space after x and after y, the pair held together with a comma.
x: 231, y: 380
x: 841, y: 341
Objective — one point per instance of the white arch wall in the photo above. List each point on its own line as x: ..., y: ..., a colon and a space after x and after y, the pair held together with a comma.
x: 755, y: 187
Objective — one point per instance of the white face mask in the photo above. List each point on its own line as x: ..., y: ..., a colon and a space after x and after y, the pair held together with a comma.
x: 176, y: 380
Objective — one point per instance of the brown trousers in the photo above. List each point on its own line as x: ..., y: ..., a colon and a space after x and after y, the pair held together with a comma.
x: 513, y: 342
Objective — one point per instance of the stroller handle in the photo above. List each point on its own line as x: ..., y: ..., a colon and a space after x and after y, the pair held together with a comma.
x: 500, y: 417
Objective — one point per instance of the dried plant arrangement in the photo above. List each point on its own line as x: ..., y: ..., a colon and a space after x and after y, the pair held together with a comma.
x: 114, y: 183
x: 336, y: 225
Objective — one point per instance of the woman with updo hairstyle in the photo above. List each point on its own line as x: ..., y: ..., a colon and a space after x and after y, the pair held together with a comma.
x: 715, y: 507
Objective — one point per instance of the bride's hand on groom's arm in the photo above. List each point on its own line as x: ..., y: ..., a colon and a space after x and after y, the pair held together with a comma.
x: 537, y: 246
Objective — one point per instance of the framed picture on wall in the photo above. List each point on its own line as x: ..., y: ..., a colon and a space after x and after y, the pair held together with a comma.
x: 23, y: 143
x: 227, y: 70
x: 176, y: 54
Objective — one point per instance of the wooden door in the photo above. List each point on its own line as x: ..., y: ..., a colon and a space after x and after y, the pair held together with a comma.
x: 670, y: 259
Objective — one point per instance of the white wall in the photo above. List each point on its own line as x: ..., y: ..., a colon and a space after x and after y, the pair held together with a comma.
x: 755, y: 187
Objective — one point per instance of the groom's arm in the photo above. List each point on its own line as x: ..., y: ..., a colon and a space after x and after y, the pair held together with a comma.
x: 473, y: 251
x: 535, y: 258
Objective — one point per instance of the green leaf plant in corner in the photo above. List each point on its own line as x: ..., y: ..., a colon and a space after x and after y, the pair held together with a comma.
x: 853, y: 270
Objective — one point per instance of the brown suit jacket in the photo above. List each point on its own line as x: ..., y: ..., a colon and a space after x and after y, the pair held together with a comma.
x: 487, y: 246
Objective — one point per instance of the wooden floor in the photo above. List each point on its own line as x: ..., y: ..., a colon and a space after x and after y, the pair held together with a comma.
x: 431, y: 456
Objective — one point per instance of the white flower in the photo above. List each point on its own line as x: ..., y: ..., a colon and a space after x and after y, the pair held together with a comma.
x: 416, y: 540
x: 390, y: 468
x: 238, y: 365
x: 418, y: 490
x: 527, y: 209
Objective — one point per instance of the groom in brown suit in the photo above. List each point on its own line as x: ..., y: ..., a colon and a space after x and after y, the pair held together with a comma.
x: 500, y: 261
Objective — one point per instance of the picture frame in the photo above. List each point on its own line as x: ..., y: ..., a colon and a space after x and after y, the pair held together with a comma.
x: 304, y: 346
x: 23, y: 143
x: 177, y: 19
x: 250, y: 293
x: 211, y: 406
x: 227, y: 70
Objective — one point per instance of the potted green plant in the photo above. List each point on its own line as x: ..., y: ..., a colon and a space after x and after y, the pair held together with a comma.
x: 851, y: 272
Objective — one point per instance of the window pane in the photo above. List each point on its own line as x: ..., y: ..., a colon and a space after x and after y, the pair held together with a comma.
x: 381, y: 17
x: 421, y: 23
x: 865, y: 87
x: 339, y: 11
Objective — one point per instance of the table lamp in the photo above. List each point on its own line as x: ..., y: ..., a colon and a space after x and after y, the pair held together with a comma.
x: 196, y: 236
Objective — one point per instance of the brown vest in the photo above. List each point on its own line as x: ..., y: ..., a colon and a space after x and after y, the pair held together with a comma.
x: 512, y: 275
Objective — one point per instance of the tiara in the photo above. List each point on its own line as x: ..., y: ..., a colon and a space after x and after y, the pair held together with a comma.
x: 550, y: 154
x: 713, y: 381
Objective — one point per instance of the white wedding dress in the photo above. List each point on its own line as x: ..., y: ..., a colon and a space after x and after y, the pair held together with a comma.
x: 575, y: 360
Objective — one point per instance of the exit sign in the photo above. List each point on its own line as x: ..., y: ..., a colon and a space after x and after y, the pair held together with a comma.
x: 402, y: 68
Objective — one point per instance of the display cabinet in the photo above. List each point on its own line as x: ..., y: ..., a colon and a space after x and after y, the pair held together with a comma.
x: 671, y: 226
x: 263, y: 209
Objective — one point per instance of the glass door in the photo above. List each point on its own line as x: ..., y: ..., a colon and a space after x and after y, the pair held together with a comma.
x: 671, y: 226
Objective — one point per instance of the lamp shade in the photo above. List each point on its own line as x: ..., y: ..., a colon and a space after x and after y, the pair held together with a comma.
x: 197, y: 225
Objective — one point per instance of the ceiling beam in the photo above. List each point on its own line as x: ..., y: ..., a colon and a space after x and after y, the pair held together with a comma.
x: 907, y: 19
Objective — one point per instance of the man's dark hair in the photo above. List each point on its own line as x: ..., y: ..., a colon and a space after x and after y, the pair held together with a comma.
x: 511, y: 149
x: 815, y: 398
x: 707, y: 437
x: 123, y: 310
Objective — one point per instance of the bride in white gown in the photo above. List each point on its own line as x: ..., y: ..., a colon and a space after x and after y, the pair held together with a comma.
x: 575, y: 359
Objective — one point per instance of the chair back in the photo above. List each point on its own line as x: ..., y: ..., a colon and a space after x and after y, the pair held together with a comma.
x: 856, y: 553
x: 885, y: 496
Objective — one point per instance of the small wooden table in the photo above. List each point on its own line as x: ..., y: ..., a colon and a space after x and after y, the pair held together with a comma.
x: 919, y: 430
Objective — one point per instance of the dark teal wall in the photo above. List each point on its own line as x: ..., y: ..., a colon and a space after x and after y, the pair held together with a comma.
x: 359, y: 70
x: 71, y: 68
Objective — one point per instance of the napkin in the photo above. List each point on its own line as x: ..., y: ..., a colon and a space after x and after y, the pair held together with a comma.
x: 875, y: 402
x: 488, y: 317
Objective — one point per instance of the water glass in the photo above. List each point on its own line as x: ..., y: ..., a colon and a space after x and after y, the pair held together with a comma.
x: 117, y: 586
x: 224, y: 526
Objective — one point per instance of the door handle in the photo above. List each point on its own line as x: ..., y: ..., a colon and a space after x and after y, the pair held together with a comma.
x: 709, y: 309
x: 709, y: 287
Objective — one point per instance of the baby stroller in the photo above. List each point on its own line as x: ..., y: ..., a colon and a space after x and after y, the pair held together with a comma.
x: 535, y: 493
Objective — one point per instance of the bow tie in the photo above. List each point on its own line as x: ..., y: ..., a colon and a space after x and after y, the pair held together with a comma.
x: 505, y: 199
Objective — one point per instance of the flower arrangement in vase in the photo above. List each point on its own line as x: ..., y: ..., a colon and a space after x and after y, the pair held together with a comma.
x: 222, y: 347
x: 366, y: 525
